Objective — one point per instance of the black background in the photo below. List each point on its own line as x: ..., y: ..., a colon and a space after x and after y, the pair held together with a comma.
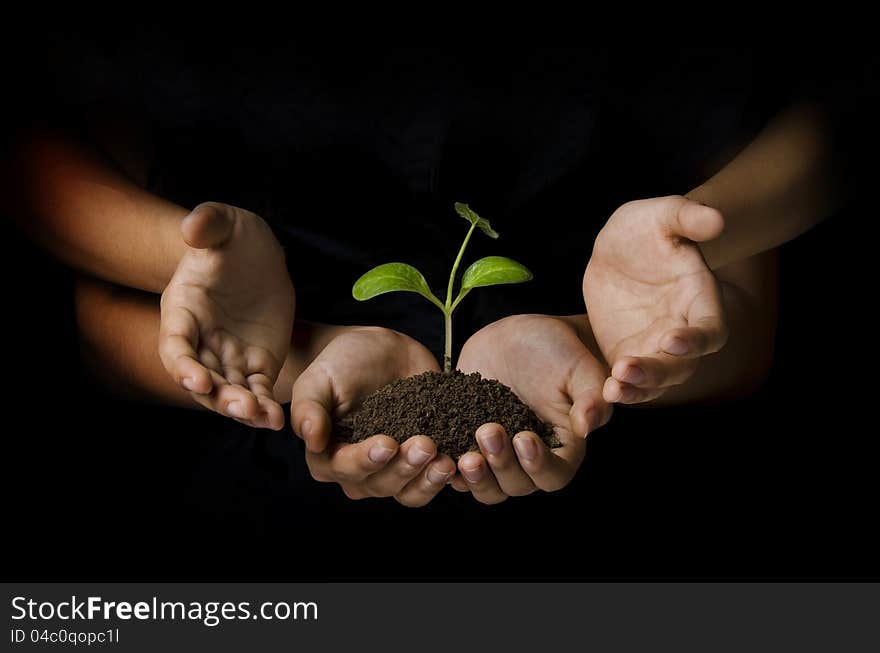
x: 783, y: 484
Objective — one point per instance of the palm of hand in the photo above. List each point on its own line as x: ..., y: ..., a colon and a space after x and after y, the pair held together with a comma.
x: 364, y: 359
x: 227, y: 316
x: 354, y: 364
x: 544, y: 361
x: 643, y: 282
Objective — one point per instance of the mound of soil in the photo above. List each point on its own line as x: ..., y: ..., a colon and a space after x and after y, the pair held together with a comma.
x: 448, y: 408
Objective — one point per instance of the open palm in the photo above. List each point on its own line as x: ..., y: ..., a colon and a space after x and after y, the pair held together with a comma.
x: 227, y: 314
x: 654, y: 305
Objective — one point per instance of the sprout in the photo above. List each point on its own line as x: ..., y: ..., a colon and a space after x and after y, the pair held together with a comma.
x: 488, y: 271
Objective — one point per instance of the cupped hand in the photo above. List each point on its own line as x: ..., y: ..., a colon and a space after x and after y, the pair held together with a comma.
x: 354, y: 364
x: 654, y: 305
x: 227, y: 314
x: 545, y: 362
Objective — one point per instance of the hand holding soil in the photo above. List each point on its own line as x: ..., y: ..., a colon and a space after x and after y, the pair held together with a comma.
x: 544, y: 360
x: 356, y: 363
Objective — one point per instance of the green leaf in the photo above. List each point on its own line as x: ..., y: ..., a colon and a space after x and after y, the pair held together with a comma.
x: 391, y: 277
x: 471, y: 216
x: 492, y: 271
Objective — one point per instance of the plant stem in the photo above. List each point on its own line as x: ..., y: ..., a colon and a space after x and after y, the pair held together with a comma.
x: 455, y: 266
x: 447, y: 352
x: 447, y: 313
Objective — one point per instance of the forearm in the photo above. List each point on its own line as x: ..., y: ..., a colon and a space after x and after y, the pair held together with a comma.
x: 119, y: 334
x: 79, y: 207
x: 779, y: 186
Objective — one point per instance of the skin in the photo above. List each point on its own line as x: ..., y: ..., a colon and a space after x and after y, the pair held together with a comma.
x: 355, y: 363
x: 220, y: 338
x: 547, y: 362
x: 655, y: 307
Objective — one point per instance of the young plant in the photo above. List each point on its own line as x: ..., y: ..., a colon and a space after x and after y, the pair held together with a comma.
x: 488, y: 271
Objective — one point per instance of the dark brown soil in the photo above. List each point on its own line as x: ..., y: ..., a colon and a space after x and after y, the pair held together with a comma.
x: 448, y: 408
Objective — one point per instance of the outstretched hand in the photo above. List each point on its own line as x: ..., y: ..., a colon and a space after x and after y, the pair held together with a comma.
x: 654, y: 305
x: 545, y: 362
x: 354, y: 364
x: 227, y: 314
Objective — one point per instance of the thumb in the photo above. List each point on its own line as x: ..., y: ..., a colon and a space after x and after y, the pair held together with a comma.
x: 208, y: 225
x: 310, y: 409
x: 695, y: 221
x: 589, y: 410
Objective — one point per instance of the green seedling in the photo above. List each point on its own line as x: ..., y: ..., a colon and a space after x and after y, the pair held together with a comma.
x: 488, y: 271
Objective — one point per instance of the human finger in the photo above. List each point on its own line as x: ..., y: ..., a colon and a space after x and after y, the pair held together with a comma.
x: 550, y: 470
x: 704, y: 335
x: 479, y: 479
x: 178, y: 337
x: 498, y: 451
x: 421, y: 490
x: 651, y: 372
x: 695, y: 221
x: 352, y: 463
x: 312, y: 404
x: 207, y: 225
x: 409, y: 462
x: 622, y: 393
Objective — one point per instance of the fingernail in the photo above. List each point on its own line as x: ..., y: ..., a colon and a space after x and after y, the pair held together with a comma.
x: 235, y: 409
x: 380, y: 454
x: 417, y: 456
x: 436, y: 477
x: 525, y: 448
x: 473, y: 474
x: 676, y: 347
x: 490, y: 441
x: 634, y: 375
x: 307, y: 428
x: 188, y: 382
